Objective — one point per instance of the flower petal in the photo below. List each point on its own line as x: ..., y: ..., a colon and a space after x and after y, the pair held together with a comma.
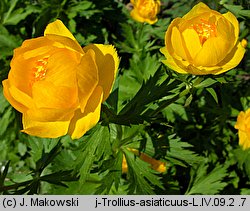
x: 18, y: 99
x: 65, y: 42
x: 50, y: 115
x: 61, y: 68
x: 240, y: 124
x: 87, y: 77
x: 33, y: 48
x: 58, y: 28
x: 170, y: 62
x: 213, y: 51
x: 82, y: 122
x: 107, y: 62
x: 136, y: 16
x: 244, y: 140
x: 192, y: 41
x: 178, y: 44
x: 233, y: 20
x: 168, y: 35
x: 197, y: 10
x: 232, y: 59
x: 47, y: 95
x: 44, y: 129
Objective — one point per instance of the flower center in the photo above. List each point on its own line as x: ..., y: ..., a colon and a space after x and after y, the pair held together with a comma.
x: 40, y: 69
x: 205, y: 30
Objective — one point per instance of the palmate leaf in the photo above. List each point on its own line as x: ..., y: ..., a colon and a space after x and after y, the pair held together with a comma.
x: 141, y: 177
x: 96, y: 146
x: 180, y: 153
x: 114, y: 166
x: 238, y: 10
x: 208, y: 183
x: 135, y: 111
x: 59, y: 177
x: 243, y: 159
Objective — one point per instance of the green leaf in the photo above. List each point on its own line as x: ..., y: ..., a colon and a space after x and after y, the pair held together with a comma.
x: 208, y: 183
x: 206, y: 83
x: 243, y: 159
x: 213, y: 94
x: 141, y: 177
x: 238, y: 10
x: 6, y: 119
x: 96, y: 146
x: 188, y: 100
x: 150, y: 91
x: 180, y: 153
x: 59, y: 177
x: 47, y: 158
x: 22, y: 148
x: 4, y: 174
x: 3, y: 102
x: 39, y: 146
x: 114, y: 166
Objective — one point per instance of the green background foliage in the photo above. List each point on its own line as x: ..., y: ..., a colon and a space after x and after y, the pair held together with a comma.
x: 186, y: 121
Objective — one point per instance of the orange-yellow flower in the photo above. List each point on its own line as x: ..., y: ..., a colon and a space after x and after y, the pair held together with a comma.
x: 157, y: 165
x: 59, y: 86
x: 243, y: 126
x: 203, y: 42
x: 145, y: 10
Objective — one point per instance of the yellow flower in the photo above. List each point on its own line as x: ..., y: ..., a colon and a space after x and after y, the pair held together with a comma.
x: 145, y: 10
x: 243, y: 125
x: 59, y: 86
x: 157, y: 165
x: 203, y: 42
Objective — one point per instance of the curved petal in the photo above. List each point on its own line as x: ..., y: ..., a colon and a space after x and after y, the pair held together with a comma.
x: 170, y: 62
x: 82, y: 122
x: 65, y: 42
x: 44, y: 129
x: 33, y: 48
x: 233, y: 20
x: 178, y: 44
x: 212, y: 52
x: 47, y: 95
x: 244, y: 140
x: 240, y: 124
x: 61, y: 68
x: 87, y: 77
x: 58, y: 32
x: 168, y: 34
x: 58, y: 28
x: 50, y: 115
x: 232, y: 59
x: 136, y: 16
x: 18, y: 99
x: 192, y: 42
x: 196, y: 10
x: 107, y: 62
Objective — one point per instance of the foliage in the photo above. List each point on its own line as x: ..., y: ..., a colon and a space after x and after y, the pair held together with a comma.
x: 186, y: 121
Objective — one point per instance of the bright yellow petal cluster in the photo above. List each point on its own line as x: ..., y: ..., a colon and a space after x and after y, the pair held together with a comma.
x: 59, y: 86
x: 243, y: 126
x: 203, y: 42
x: 145, y: 10
x: 157, y: 165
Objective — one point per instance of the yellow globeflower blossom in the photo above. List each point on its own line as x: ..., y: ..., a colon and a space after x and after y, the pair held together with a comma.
x: 145, y: 10
x: 157, y: 165
x: 202, y: 42
x: 243, y: 126
x: 59, y: 86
